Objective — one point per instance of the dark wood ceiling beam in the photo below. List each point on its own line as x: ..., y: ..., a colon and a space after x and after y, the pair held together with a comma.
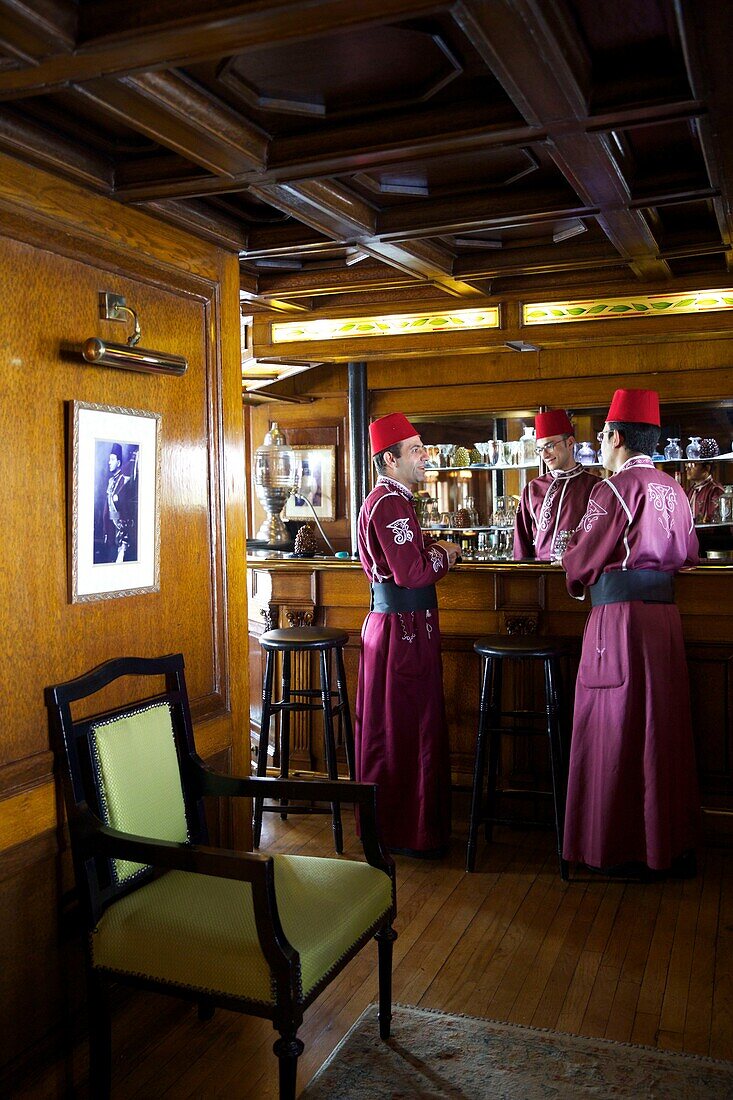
x: 371, y: 144
x: 202, y: 220
x: 541, y: 66
x: 343, y: 150
x: 32, y: 31
x: 338, y: 213
x: 288, y: 243
x: 655, y: 196
x: 363, y: 278
x: 327, y: 207
x: 215, y: 30
x: 172, y: 111
x: 30, y: 142
x: 252, y: 298
x: 423, y: 261
x: 654, y: 114
x: 549, y: 257
x: 470, y: 213
x: 706, y: 31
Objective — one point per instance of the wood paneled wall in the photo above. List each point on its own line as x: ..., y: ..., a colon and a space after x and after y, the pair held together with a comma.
x: 59, y: 247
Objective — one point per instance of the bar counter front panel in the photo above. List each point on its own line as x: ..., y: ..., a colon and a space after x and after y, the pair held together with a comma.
x: 488, y: 598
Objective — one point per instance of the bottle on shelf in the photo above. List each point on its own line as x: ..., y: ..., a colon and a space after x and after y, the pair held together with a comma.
x: 528, y: 446
x: 673, y: 450
x: 693, y: 448
x: 585, y: 454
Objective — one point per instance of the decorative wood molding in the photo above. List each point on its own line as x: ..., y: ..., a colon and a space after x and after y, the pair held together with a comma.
x: 299, y: 616
x: 526, y: 623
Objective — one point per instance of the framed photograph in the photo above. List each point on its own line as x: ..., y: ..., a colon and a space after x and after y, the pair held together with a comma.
x: 317, y: 480
x: 113, y: 502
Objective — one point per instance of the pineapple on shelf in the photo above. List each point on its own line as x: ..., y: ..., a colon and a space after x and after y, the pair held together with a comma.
x: 461, y: 457
x: 305, y: 545
x: 474, y: 456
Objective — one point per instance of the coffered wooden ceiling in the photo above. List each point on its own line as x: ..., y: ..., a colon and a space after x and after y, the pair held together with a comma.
x: 394, y: 151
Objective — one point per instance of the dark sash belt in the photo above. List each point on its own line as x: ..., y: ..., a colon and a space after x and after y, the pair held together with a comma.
x: 389, y: 597
x: 649, y: 585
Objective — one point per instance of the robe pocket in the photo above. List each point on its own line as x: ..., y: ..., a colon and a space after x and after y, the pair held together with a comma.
x: 604, y: 662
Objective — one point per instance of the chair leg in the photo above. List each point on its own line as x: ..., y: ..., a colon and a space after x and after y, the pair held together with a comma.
x: 285, y: 728
x: 385, y: 940
x: 288, y: 1049
x: 556, y: 758
x: 330, y: 748
x: 343, y: 696
x: 100, y: 1037
x: 263, y: 744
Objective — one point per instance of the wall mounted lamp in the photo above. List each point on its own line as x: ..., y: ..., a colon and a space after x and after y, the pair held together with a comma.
x: 128, y: 356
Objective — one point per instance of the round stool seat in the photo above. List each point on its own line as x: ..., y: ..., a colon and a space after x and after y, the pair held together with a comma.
x: 517, y: 645
x: 303, y: 637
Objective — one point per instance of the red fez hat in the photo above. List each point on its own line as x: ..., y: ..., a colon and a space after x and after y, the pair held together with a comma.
x: 388, y: 430
x: 635, y: 407
x: 553, y: 422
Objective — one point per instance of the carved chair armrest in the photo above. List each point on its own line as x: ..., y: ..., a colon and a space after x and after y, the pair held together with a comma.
x: 103, y: 840
x: 312, y: 790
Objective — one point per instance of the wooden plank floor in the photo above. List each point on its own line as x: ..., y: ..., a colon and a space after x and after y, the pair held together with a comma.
x: 642, y: 963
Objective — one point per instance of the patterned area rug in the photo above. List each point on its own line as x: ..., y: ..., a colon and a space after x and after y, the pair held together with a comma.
x: 434, y: 1055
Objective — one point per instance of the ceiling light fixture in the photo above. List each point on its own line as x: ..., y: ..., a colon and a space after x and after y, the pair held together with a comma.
x: 574, y: 229
x: 520, y: 345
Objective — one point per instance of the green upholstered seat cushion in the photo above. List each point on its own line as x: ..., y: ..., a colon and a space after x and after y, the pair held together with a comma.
x: 198, y: 931
x: 139, y: 780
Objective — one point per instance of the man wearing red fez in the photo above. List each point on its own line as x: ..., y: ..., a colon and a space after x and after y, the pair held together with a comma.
x: 552, y: 505
x: 632, y: 803
x: 401, y: 736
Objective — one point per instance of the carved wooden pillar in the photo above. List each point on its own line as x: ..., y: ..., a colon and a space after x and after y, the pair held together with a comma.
x: 301, y: 722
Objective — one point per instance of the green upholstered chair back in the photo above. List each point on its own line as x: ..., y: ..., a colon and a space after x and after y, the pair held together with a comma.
x: 137, y: 773
x: 129, y: 767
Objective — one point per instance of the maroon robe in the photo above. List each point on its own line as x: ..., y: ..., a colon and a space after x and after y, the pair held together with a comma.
x: 632, y: 787
x: 551, y: 505
x: 401, y: 735
x: 703, y: 498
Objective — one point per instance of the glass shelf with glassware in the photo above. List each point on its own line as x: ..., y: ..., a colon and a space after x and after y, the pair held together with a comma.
x: 466, y: 480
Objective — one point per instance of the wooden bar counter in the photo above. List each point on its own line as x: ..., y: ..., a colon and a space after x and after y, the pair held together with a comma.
x: 504, y: 597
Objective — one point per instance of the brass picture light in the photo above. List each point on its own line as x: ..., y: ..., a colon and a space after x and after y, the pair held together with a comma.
x: 128, y: 356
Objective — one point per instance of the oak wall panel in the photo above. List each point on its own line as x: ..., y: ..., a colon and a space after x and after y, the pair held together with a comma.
x: 59, y: 247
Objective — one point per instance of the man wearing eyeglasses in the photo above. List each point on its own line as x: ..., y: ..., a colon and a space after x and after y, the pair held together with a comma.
x: 632, y: 803
x: 552, y: 505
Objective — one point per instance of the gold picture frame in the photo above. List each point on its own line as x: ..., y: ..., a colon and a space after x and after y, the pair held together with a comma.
x: 317, y: 475
x: 113, y: 502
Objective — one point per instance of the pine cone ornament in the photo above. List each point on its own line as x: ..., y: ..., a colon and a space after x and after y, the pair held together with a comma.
x: 463, y: 518
x: 305, y: 542
x: 709, y: 448
x: 475, y: 456
x: 461, y: 457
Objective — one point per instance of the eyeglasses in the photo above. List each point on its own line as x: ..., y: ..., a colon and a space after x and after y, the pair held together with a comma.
x: 548, y: 448
x: 600, y: 435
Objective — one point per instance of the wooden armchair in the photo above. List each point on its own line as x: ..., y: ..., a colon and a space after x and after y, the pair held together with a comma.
x: 259, y: 934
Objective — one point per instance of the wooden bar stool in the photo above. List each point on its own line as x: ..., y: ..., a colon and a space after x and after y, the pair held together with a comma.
x: 493, y: 650
x: 298, y: 639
